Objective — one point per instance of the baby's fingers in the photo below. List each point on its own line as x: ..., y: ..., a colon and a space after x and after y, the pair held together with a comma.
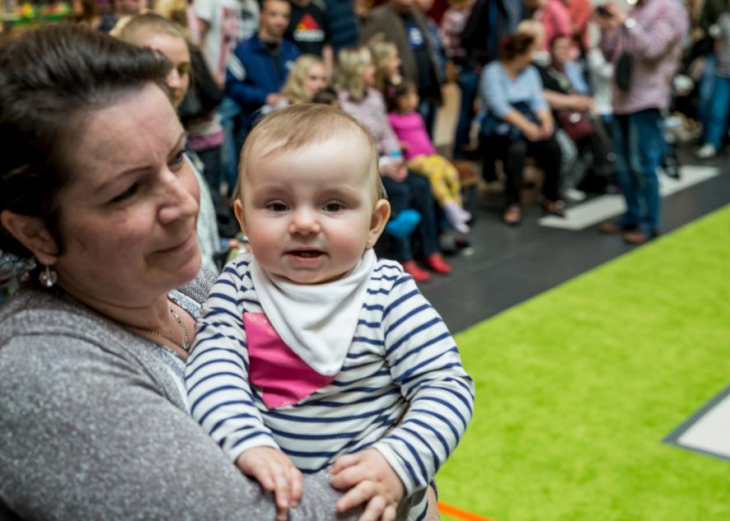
x: 389, y: 513
x: 297, y: 484
x: 348, y: 460
x: 375, y: 507
x: 356, y: 496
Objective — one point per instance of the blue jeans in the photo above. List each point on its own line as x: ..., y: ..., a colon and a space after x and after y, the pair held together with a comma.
x: 468, y: 82
x: 229, y: 112
x: 705, y: 88
x: 413, y: 192
x: 719, y: 107
x: 639, y: 144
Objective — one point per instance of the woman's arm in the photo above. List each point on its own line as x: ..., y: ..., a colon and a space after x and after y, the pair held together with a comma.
x: 558, y: 101
x: 89, y: 434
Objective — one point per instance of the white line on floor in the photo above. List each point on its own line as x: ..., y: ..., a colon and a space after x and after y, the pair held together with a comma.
x: 605, y: 207
x: 710, y: 432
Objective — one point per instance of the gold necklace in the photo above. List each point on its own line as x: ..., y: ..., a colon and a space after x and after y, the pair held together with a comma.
x: 185, y: 346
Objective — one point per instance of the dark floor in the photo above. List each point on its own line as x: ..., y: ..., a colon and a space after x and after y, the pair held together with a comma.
x: 511, y: 265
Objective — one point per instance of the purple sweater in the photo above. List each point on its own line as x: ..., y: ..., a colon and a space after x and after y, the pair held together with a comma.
x: 411, y: 130
x: 655, y: 41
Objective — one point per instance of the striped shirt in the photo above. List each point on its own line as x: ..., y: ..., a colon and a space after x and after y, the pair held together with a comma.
x: 402, y: 389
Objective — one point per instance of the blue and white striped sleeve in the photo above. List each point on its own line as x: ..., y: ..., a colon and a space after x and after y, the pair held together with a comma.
x: 216, y: 376
x: 424, y: 361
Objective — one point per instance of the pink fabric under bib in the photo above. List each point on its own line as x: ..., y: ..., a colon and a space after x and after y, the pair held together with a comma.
x: 284, y: 378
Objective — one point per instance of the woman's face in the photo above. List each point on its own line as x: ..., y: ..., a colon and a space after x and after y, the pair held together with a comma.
x: 176, y: 50
x: 392, y: 67
x: 368, y: 74
x: 315, y: 79
x: 128, y: 216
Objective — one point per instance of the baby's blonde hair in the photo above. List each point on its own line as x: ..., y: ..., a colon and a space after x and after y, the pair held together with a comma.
x: 294, y: 127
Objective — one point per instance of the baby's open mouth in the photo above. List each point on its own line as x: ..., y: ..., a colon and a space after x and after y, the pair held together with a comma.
x: 307, y: 254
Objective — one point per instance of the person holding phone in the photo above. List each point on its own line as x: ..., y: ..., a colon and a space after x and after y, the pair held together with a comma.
x: 649, y: 38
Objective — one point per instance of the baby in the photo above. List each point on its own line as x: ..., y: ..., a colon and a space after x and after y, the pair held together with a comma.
x: 311, y: 353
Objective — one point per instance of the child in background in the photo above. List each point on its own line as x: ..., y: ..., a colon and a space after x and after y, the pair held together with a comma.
x: 312, y: 353
x: 421, y: 156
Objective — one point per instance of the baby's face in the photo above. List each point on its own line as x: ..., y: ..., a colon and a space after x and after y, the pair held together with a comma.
x: 311, y: 213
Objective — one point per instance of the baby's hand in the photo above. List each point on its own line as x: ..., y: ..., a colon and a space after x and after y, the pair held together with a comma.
x: 371, y: 480
x: 276, y: 473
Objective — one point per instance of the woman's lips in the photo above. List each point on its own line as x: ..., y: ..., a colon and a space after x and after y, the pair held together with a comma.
x: 180, y: 247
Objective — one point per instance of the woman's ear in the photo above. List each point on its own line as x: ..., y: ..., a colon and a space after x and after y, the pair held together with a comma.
x: 381, y: 214
x: 32, y: 233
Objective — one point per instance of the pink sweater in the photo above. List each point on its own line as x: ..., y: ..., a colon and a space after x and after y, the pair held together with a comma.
x: 655, y: 41
x: 411, y: 130
x: 555, y: 19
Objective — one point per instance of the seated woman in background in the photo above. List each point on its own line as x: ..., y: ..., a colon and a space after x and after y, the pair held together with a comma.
x: 574, y: 109
x: 354, y: 80
x: 308, y: 76
x: 387, y: 63
x: 99, y: 205
x: 517, y: 123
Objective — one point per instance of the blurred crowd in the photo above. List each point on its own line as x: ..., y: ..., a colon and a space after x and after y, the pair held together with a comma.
x: 593, y: 95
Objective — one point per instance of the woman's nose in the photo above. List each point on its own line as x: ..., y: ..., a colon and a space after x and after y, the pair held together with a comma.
x: 180, y: 202
x: 173, y: 80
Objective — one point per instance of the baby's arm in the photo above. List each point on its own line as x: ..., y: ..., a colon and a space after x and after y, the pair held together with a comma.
x: 425, y: 363
x: 220, y: 396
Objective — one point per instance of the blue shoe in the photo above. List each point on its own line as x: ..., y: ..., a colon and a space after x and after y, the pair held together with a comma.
x: 402, y: 226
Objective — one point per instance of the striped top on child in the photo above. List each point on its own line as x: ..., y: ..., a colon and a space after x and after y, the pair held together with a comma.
x: 401, y: 390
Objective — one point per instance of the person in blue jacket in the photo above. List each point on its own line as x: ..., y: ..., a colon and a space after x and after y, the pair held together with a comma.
x: 259, y: 66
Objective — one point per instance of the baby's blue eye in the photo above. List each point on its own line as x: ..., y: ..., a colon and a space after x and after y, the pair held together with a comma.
x: 277, y: 207
x: 333, y: 207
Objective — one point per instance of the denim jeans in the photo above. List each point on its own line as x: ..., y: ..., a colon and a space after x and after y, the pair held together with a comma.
x: 468, y: 82
x: 705, y: 88
x: 719, y: 107
x: 413, y: 192
x: 639, y: 145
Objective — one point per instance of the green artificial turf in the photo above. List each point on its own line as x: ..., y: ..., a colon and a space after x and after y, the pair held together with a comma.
x: 577, y: 388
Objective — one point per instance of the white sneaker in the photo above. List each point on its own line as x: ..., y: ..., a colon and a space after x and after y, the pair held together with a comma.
x: 574, y: 195
x: 706, y: 151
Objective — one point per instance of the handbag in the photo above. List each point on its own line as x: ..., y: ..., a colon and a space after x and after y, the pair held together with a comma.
x: 575, y: 124
x: 623, y: 69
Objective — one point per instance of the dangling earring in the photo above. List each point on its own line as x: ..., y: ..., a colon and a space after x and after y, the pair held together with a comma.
x: 48, y: 277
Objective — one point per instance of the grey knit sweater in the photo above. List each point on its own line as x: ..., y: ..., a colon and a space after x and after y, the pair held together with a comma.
x: 93, y: 426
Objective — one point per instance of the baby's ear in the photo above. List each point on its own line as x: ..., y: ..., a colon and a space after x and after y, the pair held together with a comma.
x: 381, y: 214
x: 238, y: 210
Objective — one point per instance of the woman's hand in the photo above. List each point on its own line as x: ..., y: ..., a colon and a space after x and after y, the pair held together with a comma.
x: 395, y: 170
x: 276, y: 473
x: 371, y: 480
x: 532, y: 132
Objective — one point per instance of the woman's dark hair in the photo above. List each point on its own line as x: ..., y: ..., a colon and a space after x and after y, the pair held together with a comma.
x: 395, y: 92
x: 50, y: 80
x: 515, y: 45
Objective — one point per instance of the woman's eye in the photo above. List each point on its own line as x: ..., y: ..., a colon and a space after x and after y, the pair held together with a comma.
x: 129, y: 192
x: 277, y: 207
x: 179, y: 158
x: 334, y: 207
